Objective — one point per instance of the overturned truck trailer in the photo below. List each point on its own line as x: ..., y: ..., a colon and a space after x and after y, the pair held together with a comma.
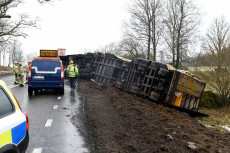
x: 110, y: 70
x: 135, y: 76
x: 164, y: 84
x: 158, y: 82
x: 185, y: 90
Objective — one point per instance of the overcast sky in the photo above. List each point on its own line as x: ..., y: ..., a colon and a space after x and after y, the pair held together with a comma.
x: 78, y: 25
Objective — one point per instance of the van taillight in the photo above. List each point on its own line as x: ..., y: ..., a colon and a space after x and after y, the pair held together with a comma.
x: 27, y: 120
x: 62, y: 72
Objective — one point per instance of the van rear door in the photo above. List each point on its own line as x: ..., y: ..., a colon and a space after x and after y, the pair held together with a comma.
x: 46, y: 70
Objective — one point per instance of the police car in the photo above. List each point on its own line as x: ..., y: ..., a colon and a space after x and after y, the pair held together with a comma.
x: 46, y: 72
x: 14, y: 125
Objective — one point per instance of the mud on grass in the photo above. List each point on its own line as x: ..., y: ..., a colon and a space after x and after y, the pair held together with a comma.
x: 119, y: 122
x: 218, y: 118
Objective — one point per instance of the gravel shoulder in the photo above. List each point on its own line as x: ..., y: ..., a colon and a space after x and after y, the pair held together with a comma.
x: 119, y: 122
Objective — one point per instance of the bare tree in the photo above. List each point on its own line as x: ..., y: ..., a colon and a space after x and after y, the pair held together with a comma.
x: 145, y: 24
x: 3, y: 52
x: 157, y: 27
x: 15, y: 52
x: 182, y: 19
x: 109, y: 48
x: 8, y: 28
x: 131, y: 48
x: 216, y: 44
x: 4, y: 6
x: 217, y: 40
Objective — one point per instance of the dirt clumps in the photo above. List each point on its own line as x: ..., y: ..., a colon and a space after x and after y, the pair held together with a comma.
x: 119, y: 122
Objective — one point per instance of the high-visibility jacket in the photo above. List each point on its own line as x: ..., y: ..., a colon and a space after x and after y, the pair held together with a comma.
x: 20, y: 72
x: 15, y: 69
x: 72, y: 71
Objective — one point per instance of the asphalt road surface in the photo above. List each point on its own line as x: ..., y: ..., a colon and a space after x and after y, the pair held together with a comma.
x: 52, y: 129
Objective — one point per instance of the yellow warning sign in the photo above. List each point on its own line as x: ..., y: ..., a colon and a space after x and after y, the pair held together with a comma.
x: 48, y: 53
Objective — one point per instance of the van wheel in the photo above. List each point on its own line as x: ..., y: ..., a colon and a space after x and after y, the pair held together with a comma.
x: 61, y: 91
x: 35, y: 92
x: 30, y: 92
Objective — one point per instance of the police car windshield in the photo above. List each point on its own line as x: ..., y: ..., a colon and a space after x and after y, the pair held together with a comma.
x: 46, y: 65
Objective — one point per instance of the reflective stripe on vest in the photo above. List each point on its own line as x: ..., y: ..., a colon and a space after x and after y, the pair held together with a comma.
x: 72, y: 71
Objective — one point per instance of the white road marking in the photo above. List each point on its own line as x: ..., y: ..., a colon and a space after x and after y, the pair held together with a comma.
x: 55, y: 107
x: 59, y: 98
x: 37, y: 150
x: 49, y: 123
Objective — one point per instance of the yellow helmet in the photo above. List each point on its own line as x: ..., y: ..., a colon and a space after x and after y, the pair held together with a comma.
x: 71, y: 62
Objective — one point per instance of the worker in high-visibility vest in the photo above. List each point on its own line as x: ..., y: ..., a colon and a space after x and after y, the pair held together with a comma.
x: 72, y: 73
x: 29, y: 65
x: 15, y: 70
x: 20, y: 75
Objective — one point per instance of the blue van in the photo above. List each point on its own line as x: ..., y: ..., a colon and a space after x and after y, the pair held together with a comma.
x: 45, y: 73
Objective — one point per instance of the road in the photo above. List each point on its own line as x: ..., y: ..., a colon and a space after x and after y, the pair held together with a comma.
x: 55, y: 125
